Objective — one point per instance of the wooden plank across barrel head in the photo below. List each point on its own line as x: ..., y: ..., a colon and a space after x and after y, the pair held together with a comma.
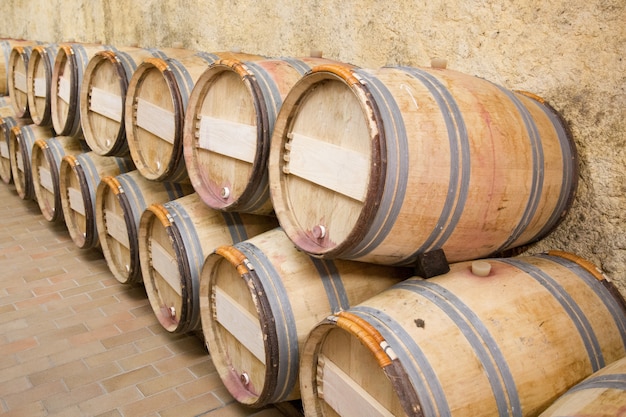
x: 46, y: 168
x: 120, y: 202
x: 602, y: 394
x: 228, y: 126
x: 80, y: 176
x: 155, y: 110
x: 386, y: 165
x: 103, y: 94
x: 260, y: 298
x: 38, y: 81
x: 505, y: 340
x: 17, y: 78
x: 67, y: 77
x: 21, y: 142
x: 174, y: 240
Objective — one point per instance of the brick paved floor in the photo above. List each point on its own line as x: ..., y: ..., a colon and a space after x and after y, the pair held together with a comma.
x: 76, y: 342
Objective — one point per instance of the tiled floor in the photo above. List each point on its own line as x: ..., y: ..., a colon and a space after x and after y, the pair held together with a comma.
x: 75, y: 342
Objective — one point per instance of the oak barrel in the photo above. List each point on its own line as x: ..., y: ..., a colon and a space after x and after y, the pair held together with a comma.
x: 603, y: 394
x: 6, y: 124
x: 79, y: 178
x: 39, y: 79
x: 495, y: 337
x: 403, y: 161
x: 17, y: 73
x: 155, y: 109
x: 6, y: 108
x: 45, y: 168
x: 67, y: 78
x: 228, y: 126
x: 259, y: 299
x: 21, y: 142
x: 6, y: 46
x: 120, y: 202
x: 103, y: 94
x: 174, y: 240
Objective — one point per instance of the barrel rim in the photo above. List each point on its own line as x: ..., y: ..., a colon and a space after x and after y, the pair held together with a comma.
x: 41, y: 54
x: 305, y: 240
x: 70, y: 164
x: 101, y: 58
x: 18, y: 52
x: 258, y: 173
x: 392, y: 367
x: 22, y: 179
x: 175, y: 166
x: 65, y: 53
x: 247, y: 272
x: 108, y: 184
x: 160, y: 213
x: 55, y: 213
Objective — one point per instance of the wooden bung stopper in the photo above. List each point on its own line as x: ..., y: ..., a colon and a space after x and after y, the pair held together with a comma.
x: 481, y: 268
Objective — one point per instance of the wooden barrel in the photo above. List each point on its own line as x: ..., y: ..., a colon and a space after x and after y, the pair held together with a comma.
x: 45, y: 167
x: 253, y: 316
x: 67, y: 77
x: 6, y: 46
x: 79, y: 179
x: 21, y: 142
x: 174, y: 240
x: 39, y: 79
x: 17, y: 74
x: 228, y: 126
x: 496, y: 337
x: 6, y: 124
x: 155, y: 109
x: 405, y: 161
x: 603, y: 394
x: 6, y: 108
x: 103, y: 94
x: 120, y: 202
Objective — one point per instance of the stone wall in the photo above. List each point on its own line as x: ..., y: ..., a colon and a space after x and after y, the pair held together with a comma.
x: 571, y: 53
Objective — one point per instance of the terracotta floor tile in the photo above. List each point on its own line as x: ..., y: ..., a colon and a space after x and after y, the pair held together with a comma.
x: 79, y: 394
x: 57, y: 373
x: 153, y: 404
x: 110, y: 355
x: 197, y: 406
x: 90, y: 375
x: 124, y: 338
x: 77, y: 352
x: 23, y: 367
x: 199, y: 386
x: 62, y: 333
x: 145, y: 358
x: 29, y: 409
x: 110, y: 402
x: 34, y: 394
x: 43, y: 351
x: 129, y: 378
x: 166, y: 381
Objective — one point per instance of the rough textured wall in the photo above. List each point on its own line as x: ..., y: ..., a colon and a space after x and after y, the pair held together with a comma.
x: 570, y: 52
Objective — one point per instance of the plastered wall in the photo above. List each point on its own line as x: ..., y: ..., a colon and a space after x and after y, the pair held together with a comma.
x: 570, y: 52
